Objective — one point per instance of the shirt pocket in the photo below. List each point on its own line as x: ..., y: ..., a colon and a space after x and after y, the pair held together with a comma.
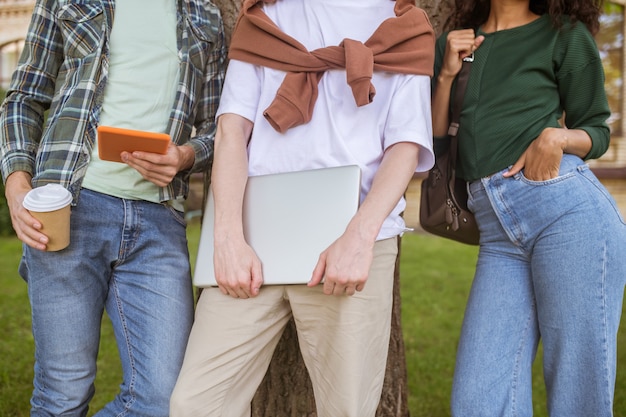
x: 82, y: 27
x: 202, y: 38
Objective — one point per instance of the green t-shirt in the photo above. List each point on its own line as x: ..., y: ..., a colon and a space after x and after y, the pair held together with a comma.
x: 521, y: 82
x: 140, y: 91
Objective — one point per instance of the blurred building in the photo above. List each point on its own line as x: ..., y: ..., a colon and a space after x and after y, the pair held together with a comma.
x: 14, y: 18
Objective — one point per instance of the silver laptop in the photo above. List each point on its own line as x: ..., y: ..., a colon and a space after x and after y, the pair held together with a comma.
x: 288, y: 219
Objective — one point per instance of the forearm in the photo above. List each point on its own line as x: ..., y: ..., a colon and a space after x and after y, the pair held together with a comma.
x: 578, y: 142
x: 389, y: 185
x: 230, y: 173
x: 18, y: 180
x: 187, y: 157
x: 572, y: 141
x: 441, y: 105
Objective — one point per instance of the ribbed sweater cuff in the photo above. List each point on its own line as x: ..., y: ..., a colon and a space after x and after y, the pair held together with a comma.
x: 282, y: 114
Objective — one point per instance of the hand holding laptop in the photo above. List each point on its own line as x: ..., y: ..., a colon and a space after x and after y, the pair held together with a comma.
x: 289, y: 219
x: 344, y: 266
x: 241, y: 272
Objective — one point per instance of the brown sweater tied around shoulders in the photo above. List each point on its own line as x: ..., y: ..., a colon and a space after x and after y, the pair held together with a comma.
x: 402, y: 44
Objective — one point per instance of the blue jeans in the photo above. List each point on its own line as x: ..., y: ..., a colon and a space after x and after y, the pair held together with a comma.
x: 551, y: 266
x: 130, y: 258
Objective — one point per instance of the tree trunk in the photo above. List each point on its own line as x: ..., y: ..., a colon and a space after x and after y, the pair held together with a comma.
x: 286, y: 389
x: 438, y: 12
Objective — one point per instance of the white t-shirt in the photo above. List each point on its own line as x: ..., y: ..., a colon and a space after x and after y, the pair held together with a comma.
x: 340, y: 133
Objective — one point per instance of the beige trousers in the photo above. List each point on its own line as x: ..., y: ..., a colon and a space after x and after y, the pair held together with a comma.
x: 343, y: 339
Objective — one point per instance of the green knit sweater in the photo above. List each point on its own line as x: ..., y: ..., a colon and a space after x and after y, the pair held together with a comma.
x: 521, y: 82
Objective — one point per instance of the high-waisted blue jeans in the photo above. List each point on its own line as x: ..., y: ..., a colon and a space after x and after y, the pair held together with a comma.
x: 131, y: 258
x: 551, y: 267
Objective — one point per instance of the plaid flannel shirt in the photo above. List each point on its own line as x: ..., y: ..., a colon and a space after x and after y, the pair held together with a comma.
x: 64, y: 69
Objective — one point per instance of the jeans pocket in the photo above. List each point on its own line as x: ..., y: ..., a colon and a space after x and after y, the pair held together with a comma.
x: 551, y: 181
x: 179, y: 216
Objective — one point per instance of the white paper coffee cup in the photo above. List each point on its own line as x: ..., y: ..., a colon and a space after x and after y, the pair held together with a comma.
x: 50, y: 205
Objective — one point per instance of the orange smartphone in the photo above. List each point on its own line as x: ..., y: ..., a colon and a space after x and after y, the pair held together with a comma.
x: 112, y: 141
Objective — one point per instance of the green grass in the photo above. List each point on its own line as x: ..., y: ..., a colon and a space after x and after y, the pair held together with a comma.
x: 433, y: 290
x: 435, y: 279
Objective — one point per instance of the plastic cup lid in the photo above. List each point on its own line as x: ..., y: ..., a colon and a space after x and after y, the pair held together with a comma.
x: 50, y: 197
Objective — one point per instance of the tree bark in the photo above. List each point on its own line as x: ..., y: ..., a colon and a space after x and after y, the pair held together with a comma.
x: 286, y: 389
x: 438, y: 12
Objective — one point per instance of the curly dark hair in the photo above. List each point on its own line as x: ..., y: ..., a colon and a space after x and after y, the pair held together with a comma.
x: 473, y: 13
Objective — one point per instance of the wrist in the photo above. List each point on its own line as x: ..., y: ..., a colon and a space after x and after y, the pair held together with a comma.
x: 559, y: 136
x: 18, y: 179
x: 365, y: 229
x: 445, y: 78
x: 187, y: 157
